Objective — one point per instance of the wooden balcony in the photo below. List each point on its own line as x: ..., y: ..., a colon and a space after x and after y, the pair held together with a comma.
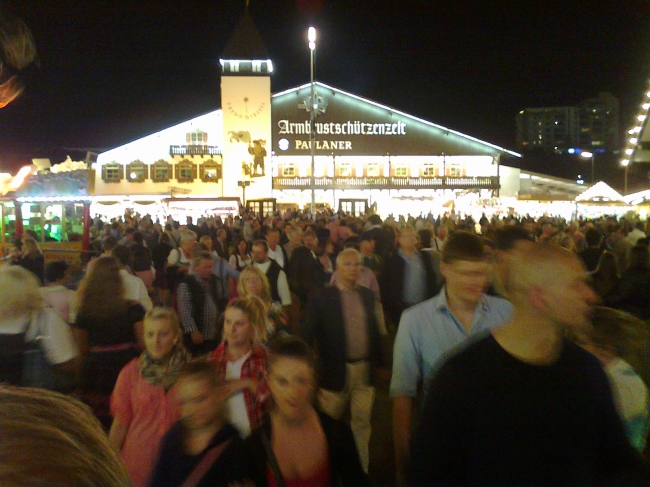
x: 194, y: 150
x: 443, y: 182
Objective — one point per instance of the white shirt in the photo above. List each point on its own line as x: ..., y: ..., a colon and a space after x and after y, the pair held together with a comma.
x: 48, y: 328
x: 283, y: 285
x: 235, y: 405
x: 277, y: 255
x: 135, y: 290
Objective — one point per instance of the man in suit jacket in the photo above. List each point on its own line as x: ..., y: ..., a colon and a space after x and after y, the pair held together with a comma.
x: 409, y: 277
x: 306, y: 273
x: 341, y: 321
x: 221, y: 243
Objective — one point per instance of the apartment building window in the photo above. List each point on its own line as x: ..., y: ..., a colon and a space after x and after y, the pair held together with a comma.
x: 210, y: 171
x: 289, y: 170
x: 160, y: 171
x: 428, y: 169
x: 401, y: 171
x: 373, y: 170
x: 197, y: 138
x: 345, y: 170
x: 185, y: 171
x: 137, y: 172
x: 112, y: 172
x: 455, y: 170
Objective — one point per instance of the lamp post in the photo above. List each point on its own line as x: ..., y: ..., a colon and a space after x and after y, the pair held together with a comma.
x: 589, y: 155
x: 311, y: 35
x: 243, y: 185
x: 625, y: 163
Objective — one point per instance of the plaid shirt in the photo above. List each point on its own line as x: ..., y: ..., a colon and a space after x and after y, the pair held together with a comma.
x: 186, y: 311
x: 254, y: 367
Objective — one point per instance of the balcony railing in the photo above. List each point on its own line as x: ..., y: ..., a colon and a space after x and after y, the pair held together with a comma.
x: 194, y: 150
x: 444, y: 182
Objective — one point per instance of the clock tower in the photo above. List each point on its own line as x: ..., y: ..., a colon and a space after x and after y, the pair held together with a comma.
x: 246, y: 110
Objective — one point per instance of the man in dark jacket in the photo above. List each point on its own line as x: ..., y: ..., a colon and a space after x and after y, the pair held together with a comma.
x: 408, y: 278
x: 341, y: 321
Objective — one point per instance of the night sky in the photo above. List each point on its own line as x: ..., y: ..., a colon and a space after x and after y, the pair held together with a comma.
x: 113, y: 71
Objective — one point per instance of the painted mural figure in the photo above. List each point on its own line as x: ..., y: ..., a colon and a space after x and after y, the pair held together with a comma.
x: 241, y: 136
x: 258, y: 152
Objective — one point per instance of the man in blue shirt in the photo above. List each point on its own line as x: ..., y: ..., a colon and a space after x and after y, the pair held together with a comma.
x: 433, y: 328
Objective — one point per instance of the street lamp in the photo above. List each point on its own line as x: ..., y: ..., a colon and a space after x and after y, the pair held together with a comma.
x: 589, y: 155
x: 625, y: 163
x: 311, y: 36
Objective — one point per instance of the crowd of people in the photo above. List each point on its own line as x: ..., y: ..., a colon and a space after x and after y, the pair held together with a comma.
x: 247, y: 350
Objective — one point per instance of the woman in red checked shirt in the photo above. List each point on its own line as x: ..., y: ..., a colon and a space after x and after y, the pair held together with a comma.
x: 242, y: 363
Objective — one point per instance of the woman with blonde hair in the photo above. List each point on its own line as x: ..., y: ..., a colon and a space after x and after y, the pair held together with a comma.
x: 31, y: 258
x: 620, y: 342
x: 143, y: 407
x: 30, y: 332
x: 108, y: 328
x: 241, y: 362
x: 48, y: 439
x: 253, y: 282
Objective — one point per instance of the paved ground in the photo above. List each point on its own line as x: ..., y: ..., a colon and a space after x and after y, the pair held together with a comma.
x: 382, y: 458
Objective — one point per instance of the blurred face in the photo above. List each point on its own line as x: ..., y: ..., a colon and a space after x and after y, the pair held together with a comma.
x: 292, y: 385
x: 201, y: 403
x: 259, y: 254
x: 242, y: 247
x: 253, y: 284
x: 367, y: 246
x: 310, y: 242
x: 237, y: 330
x: 159, y: 338
x: 273, y: 238
x: 570, y: 298
x: 466, y: 280
x: 207, y: 241
x: 204, y: 269
x: 349, y: 268
x: 188, y: 246
x: 408, y: 241
x: 295, y: 238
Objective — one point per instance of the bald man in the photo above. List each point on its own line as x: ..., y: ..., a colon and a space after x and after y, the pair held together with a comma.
x: 523, y: 406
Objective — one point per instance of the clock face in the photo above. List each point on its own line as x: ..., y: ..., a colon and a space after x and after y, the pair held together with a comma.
x: 245, y: 108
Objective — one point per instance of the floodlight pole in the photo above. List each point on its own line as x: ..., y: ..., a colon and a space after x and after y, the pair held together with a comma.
x: 312, y: 135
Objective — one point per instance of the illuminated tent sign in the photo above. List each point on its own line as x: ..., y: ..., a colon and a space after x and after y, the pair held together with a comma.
x: 352, y: 125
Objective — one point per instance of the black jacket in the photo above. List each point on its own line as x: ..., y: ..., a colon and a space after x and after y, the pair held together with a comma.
x: 392, y: 283
x: 345, y: 466
x: 323, y: 324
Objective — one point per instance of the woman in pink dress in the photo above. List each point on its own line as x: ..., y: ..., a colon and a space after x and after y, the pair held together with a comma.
x: 142, y: 406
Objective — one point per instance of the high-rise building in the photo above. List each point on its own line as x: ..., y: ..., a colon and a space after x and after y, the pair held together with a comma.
x: 590, y: 126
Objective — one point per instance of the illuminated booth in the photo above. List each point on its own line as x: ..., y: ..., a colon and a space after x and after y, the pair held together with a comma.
x: 56, y: 208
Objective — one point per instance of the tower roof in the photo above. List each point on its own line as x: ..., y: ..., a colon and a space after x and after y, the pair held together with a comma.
x: 245, y: 42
